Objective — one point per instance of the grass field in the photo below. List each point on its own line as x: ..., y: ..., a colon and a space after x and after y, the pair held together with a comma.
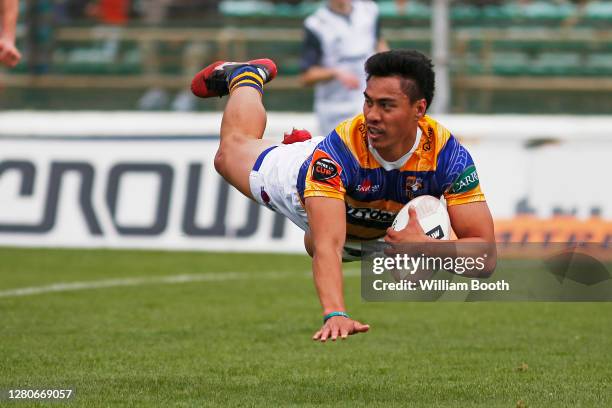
x: 235, y: 329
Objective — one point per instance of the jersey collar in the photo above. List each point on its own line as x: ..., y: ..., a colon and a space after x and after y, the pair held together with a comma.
x: 399, y: 163
x: 347, y: 17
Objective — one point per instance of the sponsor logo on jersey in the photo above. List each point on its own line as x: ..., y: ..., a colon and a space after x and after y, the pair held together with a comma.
x: 466, y: 181
x: 363, y: 130
x: 368, y: 216
x: 368, y: 187
x: 428, y: 139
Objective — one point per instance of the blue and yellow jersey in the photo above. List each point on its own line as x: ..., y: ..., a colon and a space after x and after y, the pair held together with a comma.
x: 343, y: 167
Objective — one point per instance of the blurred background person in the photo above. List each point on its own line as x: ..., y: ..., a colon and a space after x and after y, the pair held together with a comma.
x: 156, y: 13
x: 9, y: 54
x: 338, y: 38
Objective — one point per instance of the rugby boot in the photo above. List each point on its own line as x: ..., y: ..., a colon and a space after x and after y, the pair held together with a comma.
x: 296, y: 135
x: 214, y: 80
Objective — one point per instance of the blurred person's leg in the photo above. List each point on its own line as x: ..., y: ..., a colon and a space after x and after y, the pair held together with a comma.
x: 193, y: 55
x: 155, y: 12
x: 154, y: 98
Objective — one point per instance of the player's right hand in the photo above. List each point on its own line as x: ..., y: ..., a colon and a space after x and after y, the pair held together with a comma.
x: 339, y: 326
x: 9, y: 54
x: 412, y: 232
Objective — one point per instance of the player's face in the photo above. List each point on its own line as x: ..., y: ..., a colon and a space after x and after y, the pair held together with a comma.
x: 390, y: 116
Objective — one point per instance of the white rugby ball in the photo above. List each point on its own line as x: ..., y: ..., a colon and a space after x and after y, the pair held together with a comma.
x: 431, y: 214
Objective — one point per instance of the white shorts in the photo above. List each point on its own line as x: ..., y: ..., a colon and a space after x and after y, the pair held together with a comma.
x: 273, y: 183
x: 273, y: 179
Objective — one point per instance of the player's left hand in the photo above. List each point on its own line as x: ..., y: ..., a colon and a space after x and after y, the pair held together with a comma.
x: 339, y: 326
x: 413, y: 232
x: 9, y: 54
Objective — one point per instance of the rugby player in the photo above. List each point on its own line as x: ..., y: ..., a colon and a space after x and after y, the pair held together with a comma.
x: 348, y: 186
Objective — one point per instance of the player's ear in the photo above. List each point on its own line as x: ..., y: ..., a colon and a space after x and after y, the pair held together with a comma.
x: 420, y: 108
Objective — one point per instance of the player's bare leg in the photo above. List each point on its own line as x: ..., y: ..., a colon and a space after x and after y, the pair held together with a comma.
x: 244, y: 117
x: 242, y: 128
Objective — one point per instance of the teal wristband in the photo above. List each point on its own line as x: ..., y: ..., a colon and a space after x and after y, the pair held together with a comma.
x: 333, y: 314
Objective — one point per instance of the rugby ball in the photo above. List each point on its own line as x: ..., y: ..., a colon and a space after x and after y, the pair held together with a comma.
x: 431, y: 214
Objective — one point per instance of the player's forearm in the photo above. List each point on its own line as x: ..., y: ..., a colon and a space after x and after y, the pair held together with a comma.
x: 318, y: 74
x: 8, y: 21
x: 327, y: 274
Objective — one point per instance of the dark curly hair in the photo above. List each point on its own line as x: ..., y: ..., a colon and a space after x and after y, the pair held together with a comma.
x: 413, y: 67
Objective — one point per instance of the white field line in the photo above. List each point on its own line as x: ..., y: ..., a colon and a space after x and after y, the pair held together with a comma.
x: 157, y: 280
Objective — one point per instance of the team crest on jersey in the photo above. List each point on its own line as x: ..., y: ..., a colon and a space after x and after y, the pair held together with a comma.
x: 413, y: 184
x: 466, y: 181
x: 325, y: 169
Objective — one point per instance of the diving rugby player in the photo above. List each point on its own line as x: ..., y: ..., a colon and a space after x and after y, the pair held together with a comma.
x: 348, y: 186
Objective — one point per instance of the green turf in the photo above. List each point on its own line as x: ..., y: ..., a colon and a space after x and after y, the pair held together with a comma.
x: 246, y: 341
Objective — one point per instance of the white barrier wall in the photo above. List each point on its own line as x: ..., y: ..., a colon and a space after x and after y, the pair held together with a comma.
x: 147, y: 180
x: 145, y: 194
